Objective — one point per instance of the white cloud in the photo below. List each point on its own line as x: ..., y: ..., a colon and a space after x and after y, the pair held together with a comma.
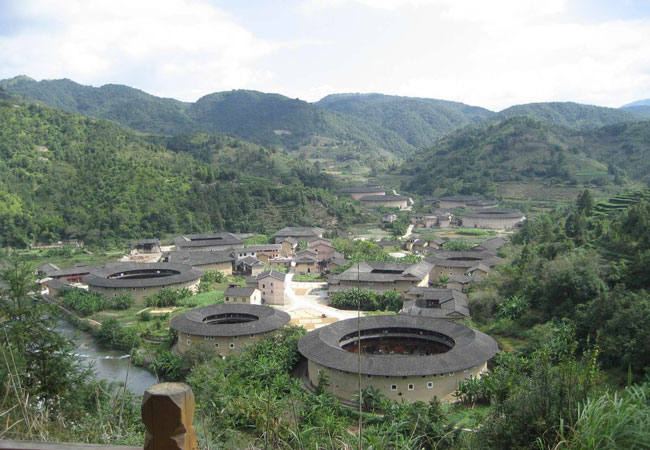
x: 179, y: 48
x: 492, y: 53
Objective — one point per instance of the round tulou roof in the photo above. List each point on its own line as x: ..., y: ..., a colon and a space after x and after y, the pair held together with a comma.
x: 470, y: 347
x: 495, y: 214
x: 141, y: 275
x: 261, y: 319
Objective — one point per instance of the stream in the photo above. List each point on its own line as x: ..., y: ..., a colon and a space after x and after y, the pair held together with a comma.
x: 110, y: 365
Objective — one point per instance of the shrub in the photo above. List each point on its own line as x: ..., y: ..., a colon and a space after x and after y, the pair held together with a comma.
x: 121, y: 302
x: 145, y: 316
x: 167, y: 297
x: 366, y: 300
x: 213, y: 276
x: 113, y: 335
x: 457, y: 246
x: 84, y: 302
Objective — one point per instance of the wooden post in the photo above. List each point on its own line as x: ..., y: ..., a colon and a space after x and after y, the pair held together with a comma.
x: 167, y: 413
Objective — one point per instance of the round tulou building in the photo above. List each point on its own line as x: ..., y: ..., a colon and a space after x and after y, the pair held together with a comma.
x: 226, y: 328
x: 140, y: 280
x: 407, y: 358
x: 494, y: 219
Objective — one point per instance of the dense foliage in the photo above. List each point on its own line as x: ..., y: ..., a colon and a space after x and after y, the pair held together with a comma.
x: 473, y: 159
x: 359, y: 251
x: 366, y: 300
x: 167, y: 297
x: 587, y: 269
x: 86, y: 303
x: 46, y: 393
x: 65, y: 176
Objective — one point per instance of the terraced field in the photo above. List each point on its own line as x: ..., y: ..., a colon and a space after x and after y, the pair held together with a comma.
x: 621, y: 202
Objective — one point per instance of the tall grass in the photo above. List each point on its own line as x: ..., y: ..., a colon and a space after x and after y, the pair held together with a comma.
x: 613, y: 421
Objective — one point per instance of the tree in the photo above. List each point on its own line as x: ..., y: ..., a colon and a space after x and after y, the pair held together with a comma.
x: 585, y: 202
x: 41, y: 358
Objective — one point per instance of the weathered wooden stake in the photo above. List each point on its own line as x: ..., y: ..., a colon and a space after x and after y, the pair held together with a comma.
x: 167, y: 413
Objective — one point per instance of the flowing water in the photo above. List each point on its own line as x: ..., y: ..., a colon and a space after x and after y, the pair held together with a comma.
x: 110, y: 365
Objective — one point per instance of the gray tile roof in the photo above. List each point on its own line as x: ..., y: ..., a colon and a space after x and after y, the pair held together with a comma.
x: 72, y: 271
x: 272, y: 273
x: 384, y: 272
x: 47, y: 268
x: 193, y: 322
x: 299, y: 232
x: 207, y: 240
x: 103, y: 276
x: 449, y: 303
x: 491, y: 245
x: 199, y: 258
x: 238, y: 291
x: 470, y: 347
x: 494, y: 214
x: 462, y: 259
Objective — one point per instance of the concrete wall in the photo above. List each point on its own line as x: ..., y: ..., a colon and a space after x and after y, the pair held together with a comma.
x: 272, y: 290
x: 307, y: 268
x: 254, y: 299
x: 358, y: 195
x: 448, y: 271
x: 323, y: 251
x: 401, y: 204
x: 139, y: 294
x: 345, y: 384
x: 210, y: 248
x: 218, y: 345
x: 223, y: 267
x: 491, y: 224
x: 399, y: 286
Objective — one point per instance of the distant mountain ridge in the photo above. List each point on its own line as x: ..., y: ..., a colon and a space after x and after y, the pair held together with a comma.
x: 420, y: 121
x: 268, y: 119
x: 364, y: 127
x: 569, y: 114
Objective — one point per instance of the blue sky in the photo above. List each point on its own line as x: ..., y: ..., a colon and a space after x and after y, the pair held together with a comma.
x: 491, y: 53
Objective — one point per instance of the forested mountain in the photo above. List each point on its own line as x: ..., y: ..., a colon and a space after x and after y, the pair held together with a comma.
x: 626, y: 145
x: 67, y: 176
x: 130, y: 107
x: 268, y: 119
x: 276, y: 119
x: 420, y: 121
x: 568, y: 114
x: 515, y: 149
x: 641, y: 108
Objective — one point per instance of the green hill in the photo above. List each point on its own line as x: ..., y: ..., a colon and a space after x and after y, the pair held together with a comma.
x: 419, y: 121
x: 276, y: 119
x: 63, y: 175
x: 267, y: 119
x: 130, y: 107
x: 515, y: 149
x: 568, y: 114
x: 640, y: 110
x: 625, y: 145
